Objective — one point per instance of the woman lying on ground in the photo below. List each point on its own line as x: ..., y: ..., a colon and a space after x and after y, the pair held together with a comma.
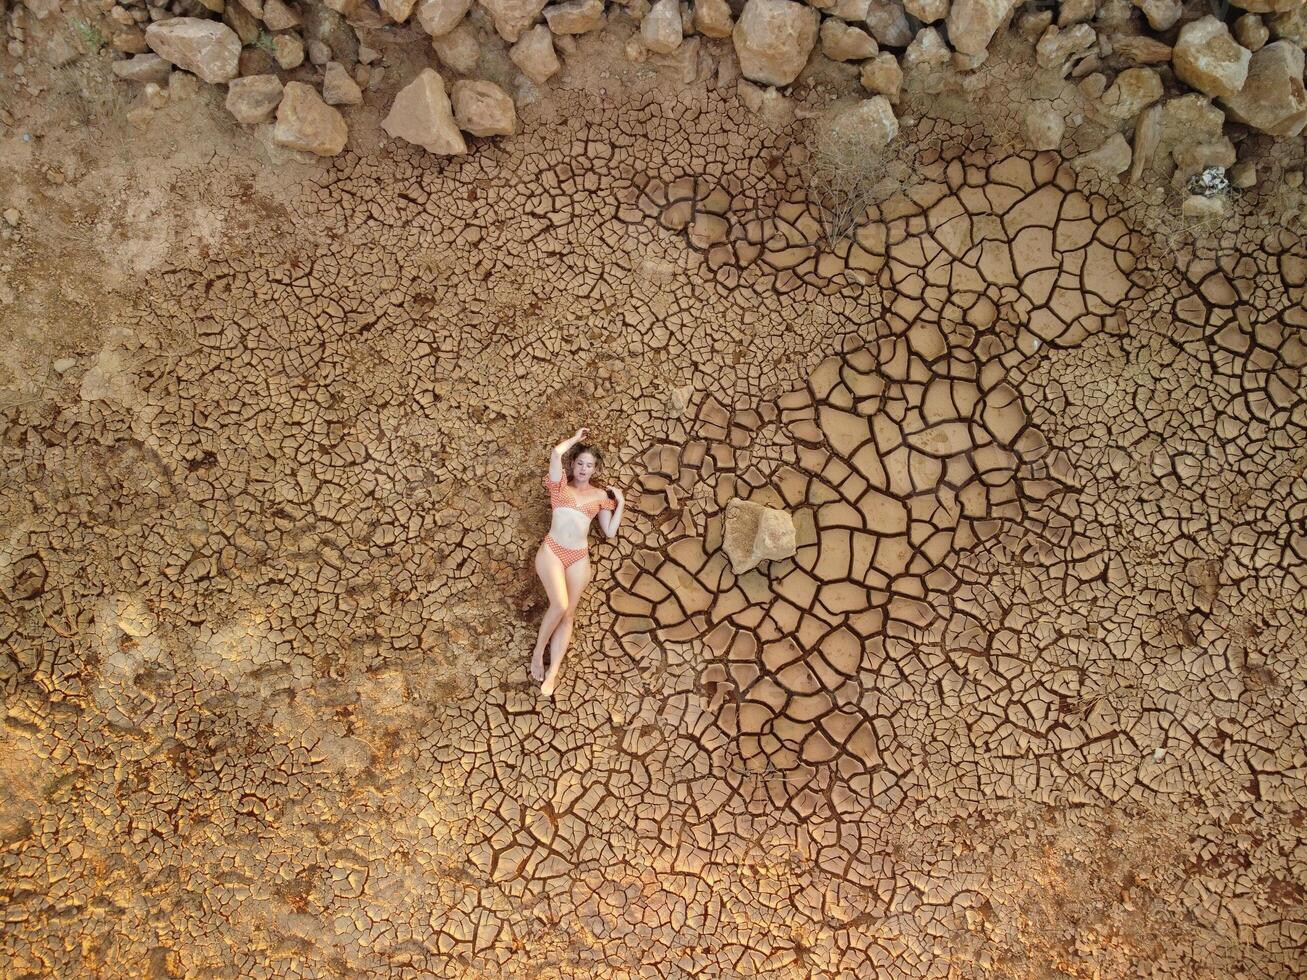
x: 563, y: 559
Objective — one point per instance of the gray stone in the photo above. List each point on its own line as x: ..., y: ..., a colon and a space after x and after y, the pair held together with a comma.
x: 754, y: 534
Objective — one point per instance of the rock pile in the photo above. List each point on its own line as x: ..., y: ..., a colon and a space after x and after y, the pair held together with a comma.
x: 1136, y: 62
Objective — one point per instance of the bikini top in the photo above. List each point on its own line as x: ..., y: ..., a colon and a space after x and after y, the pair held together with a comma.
x: 561, y: 494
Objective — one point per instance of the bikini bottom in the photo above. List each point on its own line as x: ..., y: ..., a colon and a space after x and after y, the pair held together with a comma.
x: 568, y: 556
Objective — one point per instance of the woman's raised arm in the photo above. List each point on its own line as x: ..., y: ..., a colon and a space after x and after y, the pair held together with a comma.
x: 556, y: 474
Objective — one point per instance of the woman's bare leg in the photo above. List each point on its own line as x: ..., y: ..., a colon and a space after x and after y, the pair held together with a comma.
x: 577, y: 577
x: 550, y: 569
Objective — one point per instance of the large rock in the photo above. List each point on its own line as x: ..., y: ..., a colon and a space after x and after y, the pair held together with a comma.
x: 1140, y: 50
x: 483, y: 109
x: 339, y: 87
x: 882, y: 75
x: 143, y: 68
x: 1132, y: 91
x: 396, y: 10
x: 305, y: 122
x: 208, y: 48
x: 439, y: 17
x: 712, y: 18
x: 1044, y: 126
x: 773, y: 39
x: 253, y: 99
x: 926, y: 51
x: 1272, y: 98
x: 459, y: 50
x: 575, y: 16
x: 661, y: 29
x: 512, y: 17
x: 534, y: 54
x: 972, y: 23
x: 279, y: 17
x: 927, y: 11
x: 1266, y: 6
x: 1189, y: 128
x: 888, y: 23
x: 1207, y: 58
x: 1148, y: 135
x: 755, y: 534
x: 1110, y: 159
x: 1251, y: 31
x: 1291, y: 25
x: 844, y: 42
x: 421, y: 114
x: 870, y: 124
x: 1161, y: 14
x: 1057, y: 48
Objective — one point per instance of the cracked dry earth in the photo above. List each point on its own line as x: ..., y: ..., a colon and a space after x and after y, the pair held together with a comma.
x: 1026, y: 702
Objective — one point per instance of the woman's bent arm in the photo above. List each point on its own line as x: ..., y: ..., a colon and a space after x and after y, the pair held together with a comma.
x: 556, y: 474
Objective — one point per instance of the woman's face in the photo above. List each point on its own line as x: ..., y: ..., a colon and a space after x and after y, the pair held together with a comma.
x: 583, y: 467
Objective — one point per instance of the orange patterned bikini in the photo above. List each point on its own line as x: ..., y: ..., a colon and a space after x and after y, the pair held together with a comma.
x: 561, y: 494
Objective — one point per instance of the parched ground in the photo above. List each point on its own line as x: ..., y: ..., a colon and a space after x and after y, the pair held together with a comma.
x: 1027, y: 702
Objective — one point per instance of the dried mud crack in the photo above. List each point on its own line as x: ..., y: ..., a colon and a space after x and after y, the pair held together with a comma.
x: 1027, y: 701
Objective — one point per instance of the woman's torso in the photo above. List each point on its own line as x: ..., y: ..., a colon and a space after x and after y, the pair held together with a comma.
x: 572, y: 514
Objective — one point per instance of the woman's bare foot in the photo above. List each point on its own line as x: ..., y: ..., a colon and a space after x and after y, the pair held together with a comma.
x: 551, y: 682
x: 538, y: 665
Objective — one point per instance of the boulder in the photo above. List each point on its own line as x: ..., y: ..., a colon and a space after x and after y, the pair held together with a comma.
x: 882, y: 75
x: 1290, y: 25
x: 1251, y: 31
x: 207, y: 48
x: 575, y: 16
x: 512, y: 17
x: 1243, y: 175
x: 773, y: 39
x: 253, y: 99
x: 439, y: 17
x: 1198, y: 207
x: 1140, y: 50
x: 1131, y: 92
x: 972, y: 23
x: 712, y: 18
x: 483, y: 109
x: 1110, y: 159
x: 1207, y: 58
x: 843, y: 42
x: 305, y: 122
x: 927, y: 11
x: 1044, y: 126
x: 143, y: 68
x: 534, y: 54
x: 754, y: 534
x: 1187, y: 130
x: 279, y: 17
x: 1148, y: 134
x: 888, y: 23
x: 661, y: 29
x: 1160, y: 14
x: 458, y: 50
x: 1272, y: 98
x: 239, y: 20
x: 396, y: 10
x: 1267, y: 6
x: 927, y: 50
x: 1076, y: 12
x: 1058, y: 48
x: 288, y: 49
x: 339, y: 87
x: 870, y: 124
x: 421, y: 114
